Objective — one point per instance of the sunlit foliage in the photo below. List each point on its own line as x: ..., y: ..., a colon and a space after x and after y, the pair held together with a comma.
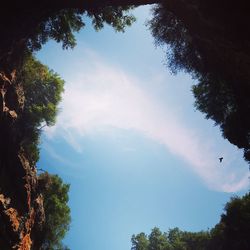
x: 42, y: 89
x: 57, y: 212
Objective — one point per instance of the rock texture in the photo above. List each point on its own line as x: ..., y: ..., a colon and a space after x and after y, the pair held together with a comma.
x: 21, y: 205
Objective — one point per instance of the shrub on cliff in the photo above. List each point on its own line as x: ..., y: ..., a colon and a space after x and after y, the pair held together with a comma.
x: 57, y: 212
x: 42, y: 90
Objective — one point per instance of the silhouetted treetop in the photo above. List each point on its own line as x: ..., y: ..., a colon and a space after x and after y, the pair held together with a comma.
x: 27, y: 25
x: 211, y: 41
x: 61, y: 25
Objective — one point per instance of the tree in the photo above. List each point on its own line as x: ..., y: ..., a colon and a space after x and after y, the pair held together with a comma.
x: 174, y: 239
x: 42, y: 90
x: 61, y: 24
x: 57, y: 212
x: 196, y: 240
x: 28, y: 26
x: 228, y: 109
x: 157, y: 240
x: 212, y: 44
x: 139, y: 242
x: 231, y: 233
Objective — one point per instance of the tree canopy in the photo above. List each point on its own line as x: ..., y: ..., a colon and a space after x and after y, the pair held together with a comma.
x: 27, y: 26
x: 42, y: 89
x: 231, y: 233
x: 174, y: 239
x: 212, y: 44
x: 61, y: 25
x: 57, y: 212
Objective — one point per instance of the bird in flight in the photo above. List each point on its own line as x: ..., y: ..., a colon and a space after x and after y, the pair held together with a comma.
x: 221, y: 158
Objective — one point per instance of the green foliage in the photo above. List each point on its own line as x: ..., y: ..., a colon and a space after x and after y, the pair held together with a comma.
x: 167, y: 28
x: 196, y: 241
x: 157, y: 240
x: 139, y: 242
x: 228, y: 108
x: 57, y: 212
x: 117, y: 17
x: 211, y: 44
x: 231, y: 233
x: 235, y: 224
x: 61, y: 25
x: 174, y: 239
x: 42, y: 90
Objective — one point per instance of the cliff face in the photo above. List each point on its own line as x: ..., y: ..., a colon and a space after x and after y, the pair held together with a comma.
x: 21, y: 205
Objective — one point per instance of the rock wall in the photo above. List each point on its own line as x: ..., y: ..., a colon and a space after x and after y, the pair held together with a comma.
x: 21, y: 205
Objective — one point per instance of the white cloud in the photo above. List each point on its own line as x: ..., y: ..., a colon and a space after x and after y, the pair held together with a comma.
x: 101, y: 96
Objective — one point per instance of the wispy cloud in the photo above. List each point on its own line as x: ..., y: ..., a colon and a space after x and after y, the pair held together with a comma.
x: 102, y: 95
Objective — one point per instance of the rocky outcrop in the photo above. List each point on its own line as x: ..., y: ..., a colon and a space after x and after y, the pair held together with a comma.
x: 21, y: 205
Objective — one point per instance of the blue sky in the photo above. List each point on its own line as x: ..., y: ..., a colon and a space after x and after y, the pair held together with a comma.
x: 130, y: 143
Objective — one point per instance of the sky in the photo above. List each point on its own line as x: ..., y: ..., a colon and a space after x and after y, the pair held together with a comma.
x: 131, y: 144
